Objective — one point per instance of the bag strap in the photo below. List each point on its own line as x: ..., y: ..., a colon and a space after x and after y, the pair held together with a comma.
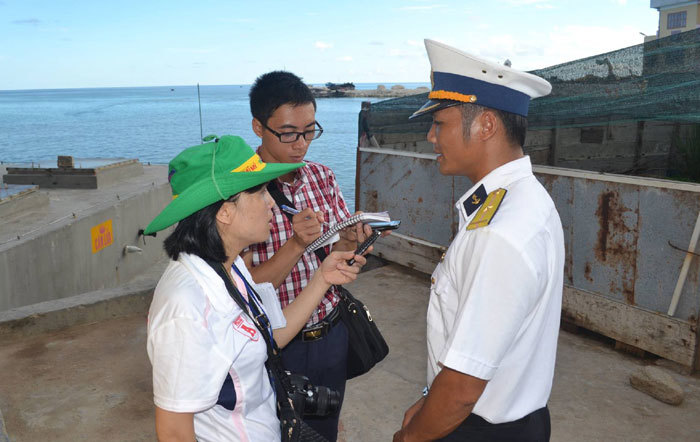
x: 280, y: 199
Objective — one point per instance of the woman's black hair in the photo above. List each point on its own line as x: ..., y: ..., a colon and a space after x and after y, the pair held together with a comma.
x: 197, y: 234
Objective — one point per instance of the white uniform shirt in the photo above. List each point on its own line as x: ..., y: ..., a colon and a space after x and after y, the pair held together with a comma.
x: 197, y: 335
x: 495, y: 299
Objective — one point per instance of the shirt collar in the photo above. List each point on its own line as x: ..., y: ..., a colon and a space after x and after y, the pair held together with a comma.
x: 300, y: 175
x: 300, y: 179
x: 501, y: 176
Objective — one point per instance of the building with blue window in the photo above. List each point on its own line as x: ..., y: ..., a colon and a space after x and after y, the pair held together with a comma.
x: 676, y: 17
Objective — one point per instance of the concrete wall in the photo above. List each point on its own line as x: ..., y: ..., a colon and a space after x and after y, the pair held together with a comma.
x: 59, y: 262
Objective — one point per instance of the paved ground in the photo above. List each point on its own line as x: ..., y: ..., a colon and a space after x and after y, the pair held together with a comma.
x: 92, y: 382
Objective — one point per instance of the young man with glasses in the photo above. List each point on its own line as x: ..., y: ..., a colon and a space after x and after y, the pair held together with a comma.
x: 284, y: 117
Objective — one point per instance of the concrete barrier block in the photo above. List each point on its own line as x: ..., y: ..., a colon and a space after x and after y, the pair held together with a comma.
x: 658, y: 384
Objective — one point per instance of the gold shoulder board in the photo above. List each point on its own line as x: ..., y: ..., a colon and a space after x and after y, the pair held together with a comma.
x: 486, y: 212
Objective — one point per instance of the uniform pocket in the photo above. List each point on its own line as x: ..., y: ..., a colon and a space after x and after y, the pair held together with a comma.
x: 439, y: 282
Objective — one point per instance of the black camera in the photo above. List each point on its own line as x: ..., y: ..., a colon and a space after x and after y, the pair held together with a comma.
x: 313, y: 401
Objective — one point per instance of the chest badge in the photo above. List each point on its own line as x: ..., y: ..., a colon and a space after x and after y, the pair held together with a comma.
x: 246, y: 329
x: 487, y: 211
x: 475, y: 200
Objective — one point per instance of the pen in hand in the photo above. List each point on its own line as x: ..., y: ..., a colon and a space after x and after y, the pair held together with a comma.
x: 293, y: 211
x: 290, y: 210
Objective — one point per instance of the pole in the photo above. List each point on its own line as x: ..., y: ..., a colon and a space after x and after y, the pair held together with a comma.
x: 684, y: 269
x: 199, y: 100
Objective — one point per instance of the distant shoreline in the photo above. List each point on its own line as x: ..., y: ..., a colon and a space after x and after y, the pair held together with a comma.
x: 380, y: 91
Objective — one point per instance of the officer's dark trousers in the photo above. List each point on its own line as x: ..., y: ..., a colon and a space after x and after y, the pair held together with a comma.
x: 324, y: 362
x: 535, y: 427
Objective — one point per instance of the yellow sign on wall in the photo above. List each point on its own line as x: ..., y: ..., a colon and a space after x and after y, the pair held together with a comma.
x: 102, y: 236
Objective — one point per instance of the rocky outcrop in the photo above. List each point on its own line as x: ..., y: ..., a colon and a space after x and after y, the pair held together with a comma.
x: 380, y: 92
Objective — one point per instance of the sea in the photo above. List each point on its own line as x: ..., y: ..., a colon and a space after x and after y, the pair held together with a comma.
x: 153, y: 124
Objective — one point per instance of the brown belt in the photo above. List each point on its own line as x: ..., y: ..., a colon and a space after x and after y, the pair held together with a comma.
x: 321, y: 328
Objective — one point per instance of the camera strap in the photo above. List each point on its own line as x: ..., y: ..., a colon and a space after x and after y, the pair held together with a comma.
x: 250, y: 307
x: 275, y: 369
x: 292, y: 426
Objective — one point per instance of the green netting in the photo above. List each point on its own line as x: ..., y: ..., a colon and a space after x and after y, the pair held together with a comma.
x: 658, y: 80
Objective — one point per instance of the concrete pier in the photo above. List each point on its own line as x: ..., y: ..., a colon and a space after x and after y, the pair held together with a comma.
x: 93, y: 381
x: 76, y: 242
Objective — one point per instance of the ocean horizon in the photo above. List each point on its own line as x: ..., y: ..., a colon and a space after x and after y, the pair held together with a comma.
x: 359, y: 86
x: 154, y: 123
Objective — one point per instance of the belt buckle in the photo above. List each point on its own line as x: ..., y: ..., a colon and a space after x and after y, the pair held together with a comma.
x: 314, y: 332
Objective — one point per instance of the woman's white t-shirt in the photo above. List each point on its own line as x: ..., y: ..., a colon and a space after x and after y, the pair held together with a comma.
x: 197, y: 335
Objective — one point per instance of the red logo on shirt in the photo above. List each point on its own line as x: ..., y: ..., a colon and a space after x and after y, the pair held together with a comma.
x: 242, y: 327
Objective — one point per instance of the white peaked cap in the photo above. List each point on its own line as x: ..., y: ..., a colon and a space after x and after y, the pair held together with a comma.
x: 458, y: 77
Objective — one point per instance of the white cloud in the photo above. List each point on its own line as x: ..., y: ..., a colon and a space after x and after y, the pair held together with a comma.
x: 565, y: 43
x: 376, y: 43
x: 414, y: 43
x: 598, y: 39
x: 322, y: 45
x: 410, y: 52
x: 621, y: 2
x: 27, y: 21
x: 344, y: 58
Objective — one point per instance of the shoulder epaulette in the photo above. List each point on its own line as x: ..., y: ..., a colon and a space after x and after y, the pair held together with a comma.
x: 487, y: 210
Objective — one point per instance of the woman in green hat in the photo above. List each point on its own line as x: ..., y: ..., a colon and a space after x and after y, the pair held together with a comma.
x: 208, y: 355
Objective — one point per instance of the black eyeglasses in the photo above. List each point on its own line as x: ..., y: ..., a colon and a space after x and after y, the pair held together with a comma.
x: 291, y: 137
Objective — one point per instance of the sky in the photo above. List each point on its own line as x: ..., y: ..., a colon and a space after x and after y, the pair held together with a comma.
x: 46, y: 44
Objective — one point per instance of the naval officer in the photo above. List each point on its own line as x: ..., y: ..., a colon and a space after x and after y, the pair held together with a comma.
x: 495, y: 298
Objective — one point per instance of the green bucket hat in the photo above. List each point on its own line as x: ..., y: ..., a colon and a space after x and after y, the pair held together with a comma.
x: 202, y: 175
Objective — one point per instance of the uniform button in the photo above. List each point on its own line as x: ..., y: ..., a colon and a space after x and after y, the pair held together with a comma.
x: 432, y: 280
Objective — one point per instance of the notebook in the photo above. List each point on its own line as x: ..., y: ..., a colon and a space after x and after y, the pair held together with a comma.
x: 332, y: 235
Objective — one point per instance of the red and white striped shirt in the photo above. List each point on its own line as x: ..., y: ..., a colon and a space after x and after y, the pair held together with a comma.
x: 313, y: 186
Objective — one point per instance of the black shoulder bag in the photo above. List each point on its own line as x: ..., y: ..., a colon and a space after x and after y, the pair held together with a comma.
x: 294, y: 429
x: 366, y: 345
